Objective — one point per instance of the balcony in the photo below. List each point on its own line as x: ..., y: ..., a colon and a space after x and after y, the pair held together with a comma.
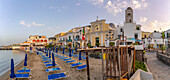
x: 69, y: 40
x: 61, y: 40
x: 77, y: 39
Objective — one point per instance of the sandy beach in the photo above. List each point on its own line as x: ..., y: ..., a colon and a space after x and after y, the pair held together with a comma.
x: 38, y: 68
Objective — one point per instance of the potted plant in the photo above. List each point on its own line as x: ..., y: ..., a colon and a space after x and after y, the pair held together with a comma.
x: 88, y: 45
x: 97, y: 44
x: 112, y: 43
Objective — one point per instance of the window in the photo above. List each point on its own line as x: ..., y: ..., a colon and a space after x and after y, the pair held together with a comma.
x: 69, y: 37
x: 145, y: 36
x: 136, y: 36
x: 129, y: 14
x: 97, y: 40
x: 121, y: 30
x: 137, y: 28
x: 119, y: 36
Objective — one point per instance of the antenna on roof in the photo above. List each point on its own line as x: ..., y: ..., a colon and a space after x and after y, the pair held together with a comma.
x: 97, y: 18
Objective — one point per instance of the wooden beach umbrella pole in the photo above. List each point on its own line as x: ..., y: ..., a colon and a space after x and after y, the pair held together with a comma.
x: 114, y: 60
x: 87, y: 61
x: 102, y: 65
x: 110, y: 63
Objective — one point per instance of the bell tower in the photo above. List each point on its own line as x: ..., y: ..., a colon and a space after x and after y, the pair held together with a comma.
x: 129, y: 15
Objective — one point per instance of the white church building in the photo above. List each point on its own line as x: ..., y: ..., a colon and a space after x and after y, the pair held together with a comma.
x: 130, y: 29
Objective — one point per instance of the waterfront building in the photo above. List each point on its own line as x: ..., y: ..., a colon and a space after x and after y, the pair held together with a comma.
x: 16, y: 46
x: 130, y: 29
x: 155, y: 40
x: 62, y: 40
x: 71, y: 38
x: 57, y: 36
x: 52, y: 40
x: 36, y: 41
x: 167, y: 34
x: 25, y: 45
x: 145, y: 34
x: 99, y: 32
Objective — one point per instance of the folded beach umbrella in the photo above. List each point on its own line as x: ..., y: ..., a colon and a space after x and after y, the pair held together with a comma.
x: 76, y: 49
x: 30, y: 48
x: 53, y: 48
x: 69, y: 52
x: 72, y: 51
x: 12, y: 75
x: 60, y: 48
x: 25, y: 62
x: 49, y: 54
x: 63, y: 50
x: 37, y: 52
x: 79, y: 55
x: 45, y: 49
x: 53, y: 62
x: 56, y: 50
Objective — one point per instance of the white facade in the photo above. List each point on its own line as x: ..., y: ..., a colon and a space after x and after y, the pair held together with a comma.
x: 37, y: 40
x: 131, y: 30
x: 155, y: 40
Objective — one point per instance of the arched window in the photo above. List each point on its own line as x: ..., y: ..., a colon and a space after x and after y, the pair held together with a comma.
x: 38, y: 40
x: 45, y: 40
x: 41, y: 40
x: 33, y: 41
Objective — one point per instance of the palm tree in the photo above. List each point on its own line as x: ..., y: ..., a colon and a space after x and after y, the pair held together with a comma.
x: 163, y: 37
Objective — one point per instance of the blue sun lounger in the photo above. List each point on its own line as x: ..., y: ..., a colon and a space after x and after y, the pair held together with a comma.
x: 22, y: 76
x: 22, y: 71
x: 85, y: 57
x: 53, y: 69
x: 56, y: 76
x: 76, y: 64
x: 67, y: 59
x: 47, y: 62
x: 49, y: 65
x: 81, y: 67
x: 70, y: 61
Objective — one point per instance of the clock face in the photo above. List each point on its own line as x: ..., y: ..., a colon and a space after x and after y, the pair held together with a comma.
x: 96, y: 27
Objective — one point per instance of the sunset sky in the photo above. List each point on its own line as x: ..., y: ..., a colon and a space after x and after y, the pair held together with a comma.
x: 21, y: 18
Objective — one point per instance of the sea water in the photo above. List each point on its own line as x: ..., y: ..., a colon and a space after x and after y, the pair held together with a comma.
x: 5, y: 59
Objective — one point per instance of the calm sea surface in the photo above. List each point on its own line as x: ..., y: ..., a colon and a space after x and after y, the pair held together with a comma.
x: 5, y: 59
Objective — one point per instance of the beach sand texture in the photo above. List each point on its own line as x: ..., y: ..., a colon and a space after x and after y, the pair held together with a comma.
x: 38, y: 68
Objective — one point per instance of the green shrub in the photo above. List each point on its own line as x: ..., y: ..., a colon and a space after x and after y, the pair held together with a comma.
x: 88, y: 45
x: 97, y: 44
x: 163, y: 48
x: 112, y: 43
x: 140, y: 65
x: 135, y: 44
x: 49, y: 46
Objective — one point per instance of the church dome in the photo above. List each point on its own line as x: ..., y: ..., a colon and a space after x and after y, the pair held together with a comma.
x: 129, y: 8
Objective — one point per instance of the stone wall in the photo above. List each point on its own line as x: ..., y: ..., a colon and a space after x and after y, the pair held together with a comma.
x: 164, y: 58
x: 139, y: 55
